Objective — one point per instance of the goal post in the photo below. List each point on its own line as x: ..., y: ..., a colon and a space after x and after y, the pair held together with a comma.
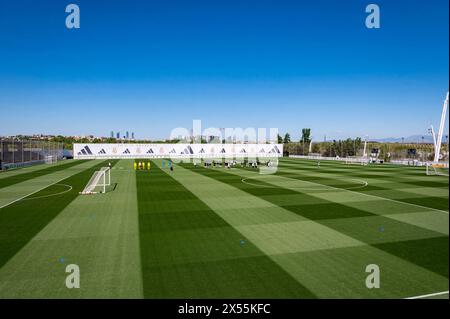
x: 356, y: 160
x: 100, y: 179
x: 439, y: 169
x: 50, y: 159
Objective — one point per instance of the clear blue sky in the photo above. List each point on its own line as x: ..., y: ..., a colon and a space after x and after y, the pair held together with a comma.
x: 151, y: 66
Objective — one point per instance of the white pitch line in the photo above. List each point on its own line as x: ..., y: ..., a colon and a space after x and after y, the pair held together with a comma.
x: 20, y: 198
x: 429, y: 295
x: 363, y: 184
x: 370, y: 195
x: 55, y: 194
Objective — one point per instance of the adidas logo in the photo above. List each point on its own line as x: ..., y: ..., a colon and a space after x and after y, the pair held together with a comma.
x: 188, y: 150
x: 85, y: 151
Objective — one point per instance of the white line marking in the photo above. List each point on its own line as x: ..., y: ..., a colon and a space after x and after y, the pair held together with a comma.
x: 370, y: 195
x: 20, y: 198
x: 363, y: 184
x: 429, y: 295
x: 55, y: 194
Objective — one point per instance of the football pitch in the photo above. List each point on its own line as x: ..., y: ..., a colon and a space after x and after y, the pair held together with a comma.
x: 308, y: 231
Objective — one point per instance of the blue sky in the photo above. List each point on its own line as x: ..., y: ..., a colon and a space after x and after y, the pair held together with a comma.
x: 151, y: 66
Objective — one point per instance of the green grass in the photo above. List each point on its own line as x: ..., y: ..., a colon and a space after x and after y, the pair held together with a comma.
x: 304, y: 232
x: 26, y: 175
x: 22, y: 220
x: 190, y: 252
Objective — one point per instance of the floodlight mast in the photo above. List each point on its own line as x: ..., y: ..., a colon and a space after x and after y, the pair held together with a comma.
x: 441, y: 130
x: 433, y: 135
x: 365, y: 147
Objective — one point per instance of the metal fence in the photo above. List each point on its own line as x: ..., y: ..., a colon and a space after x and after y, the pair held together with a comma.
x: 18, y: 153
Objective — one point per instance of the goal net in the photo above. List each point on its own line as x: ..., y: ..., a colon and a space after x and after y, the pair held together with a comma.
x: 99, y: 180
x: 50, y: 159
x: 356, y: 160
x: 440, y: 169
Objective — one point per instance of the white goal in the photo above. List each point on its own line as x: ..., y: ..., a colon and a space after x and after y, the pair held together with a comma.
x: 356, y: 160
x: 100, y: 179
x: 50, y: 159
x: 440, y: 169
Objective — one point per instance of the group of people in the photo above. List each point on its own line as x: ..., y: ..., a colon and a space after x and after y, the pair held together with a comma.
x: 214, y: 163
x: 147, y: 165
x: 142, y: 165
x: 169, y: 164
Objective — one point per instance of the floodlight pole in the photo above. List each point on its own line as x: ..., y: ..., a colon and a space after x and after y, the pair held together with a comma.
x: 365, y: 147
x: 433, y: 136
x: 441, y: 130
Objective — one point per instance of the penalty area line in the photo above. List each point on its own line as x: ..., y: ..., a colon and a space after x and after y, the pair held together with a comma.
x: 55, y: 194
x: 429, y: 295
x: 38, y: 190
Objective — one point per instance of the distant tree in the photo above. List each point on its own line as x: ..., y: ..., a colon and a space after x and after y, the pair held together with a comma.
x: 280, y: 139
x: 306, y: 135
x: 287, y: 138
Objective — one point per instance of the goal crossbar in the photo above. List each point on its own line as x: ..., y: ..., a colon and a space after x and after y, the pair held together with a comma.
x: 440, y: 169
x: 357, y: 160
x: 101, y: 178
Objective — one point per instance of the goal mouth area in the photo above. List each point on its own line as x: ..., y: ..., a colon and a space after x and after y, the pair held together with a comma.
x: 100, y: 178
x: 356, y: 160
x: 439, y: 169
x: 440, y: 165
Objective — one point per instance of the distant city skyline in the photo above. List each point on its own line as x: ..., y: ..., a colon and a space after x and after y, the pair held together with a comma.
x: 154, y: 66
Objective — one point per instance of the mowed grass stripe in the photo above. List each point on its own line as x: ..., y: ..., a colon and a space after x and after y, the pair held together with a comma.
x: 320, y: 258
x: 16, y: 192
x: 407, y: 176
x: 18, y: 178
x: 187, y: 251
x: 22, y: 220
x: 394, y: 178
x: 28, y: 169
x: 401, y: 177
x: 366, y: 227
x: 99, y: 233
x: 340, y: 166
